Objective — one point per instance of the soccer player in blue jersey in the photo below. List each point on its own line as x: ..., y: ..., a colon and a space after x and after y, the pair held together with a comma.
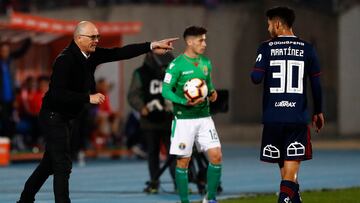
x: 284, y: 63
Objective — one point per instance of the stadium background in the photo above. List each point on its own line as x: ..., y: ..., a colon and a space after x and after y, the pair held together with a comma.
x: 235, y: 29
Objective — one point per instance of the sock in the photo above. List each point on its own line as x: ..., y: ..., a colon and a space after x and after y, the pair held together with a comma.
x: 213, y: 180
x: 288, y: 190
x: 181, y: 178
x: 297, y: 197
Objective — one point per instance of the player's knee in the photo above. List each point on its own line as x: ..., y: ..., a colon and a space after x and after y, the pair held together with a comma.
x: 216, y: 158
x: 182, y: 162
x: 290, y: 176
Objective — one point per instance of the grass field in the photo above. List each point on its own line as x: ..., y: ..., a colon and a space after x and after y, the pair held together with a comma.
x: 350, y: 195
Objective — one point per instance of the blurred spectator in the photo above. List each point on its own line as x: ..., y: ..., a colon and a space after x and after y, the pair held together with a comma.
x: 107, y: 120
x: 28, y: 105
x: 134, y: 141
x: 7, y: 88
x: 33, y: 93
x: 155, y: 121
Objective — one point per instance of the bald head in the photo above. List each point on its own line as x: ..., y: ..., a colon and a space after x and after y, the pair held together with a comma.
x: 84, y: 27
x: 86, y: 36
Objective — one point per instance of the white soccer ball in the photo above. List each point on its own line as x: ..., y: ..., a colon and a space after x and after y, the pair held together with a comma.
x: 195, y: 88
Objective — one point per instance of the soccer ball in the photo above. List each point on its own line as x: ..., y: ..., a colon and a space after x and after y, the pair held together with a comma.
x: 195, y: 88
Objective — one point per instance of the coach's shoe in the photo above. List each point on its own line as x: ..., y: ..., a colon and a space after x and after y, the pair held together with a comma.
x: 152, y: 187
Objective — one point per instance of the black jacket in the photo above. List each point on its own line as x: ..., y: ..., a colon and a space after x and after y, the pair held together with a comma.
x: 145, y: 90
x: 72, y: 79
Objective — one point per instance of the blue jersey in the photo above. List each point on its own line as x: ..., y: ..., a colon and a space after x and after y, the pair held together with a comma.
x: 285, y: 63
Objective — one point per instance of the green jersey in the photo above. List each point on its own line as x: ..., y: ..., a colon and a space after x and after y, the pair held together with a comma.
x: 179, y: 71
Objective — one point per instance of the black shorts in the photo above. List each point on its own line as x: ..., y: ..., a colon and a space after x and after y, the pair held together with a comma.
x: 285, y: 142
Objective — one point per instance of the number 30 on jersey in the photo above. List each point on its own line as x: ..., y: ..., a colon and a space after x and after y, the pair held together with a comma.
x: 287, y: 68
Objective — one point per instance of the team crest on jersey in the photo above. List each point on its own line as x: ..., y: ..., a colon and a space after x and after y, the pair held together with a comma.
x: 296, y: 149
x: 182, y: 146
x: 167, y: 78
x: 271, y: 152
x: 206, y: 70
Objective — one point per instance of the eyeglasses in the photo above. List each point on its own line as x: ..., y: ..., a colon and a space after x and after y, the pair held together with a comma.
x: 92, y: 37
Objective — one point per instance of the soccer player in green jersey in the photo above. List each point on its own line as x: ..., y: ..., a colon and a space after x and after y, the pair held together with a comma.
x: 192, y: 121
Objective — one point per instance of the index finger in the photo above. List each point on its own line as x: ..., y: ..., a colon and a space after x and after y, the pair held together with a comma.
x: 169, y: 40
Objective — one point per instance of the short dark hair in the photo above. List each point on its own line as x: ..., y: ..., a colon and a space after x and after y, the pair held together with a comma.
x: 194, y: 31
x: 287, y: 15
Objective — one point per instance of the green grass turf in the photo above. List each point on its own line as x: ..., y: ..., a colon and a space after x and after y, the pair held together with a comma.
x: 349, y: 195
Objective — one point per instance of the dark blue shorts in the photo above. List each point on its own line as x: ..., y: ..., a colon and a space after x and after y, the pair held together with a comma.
x: 285, y: 142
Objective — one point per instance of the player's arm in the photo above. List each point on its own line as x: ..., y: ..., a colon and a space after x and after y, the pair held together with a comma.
x: 258, y: 72
x: 212, y: 92
x: 314, y: 74
x: 171, y: 77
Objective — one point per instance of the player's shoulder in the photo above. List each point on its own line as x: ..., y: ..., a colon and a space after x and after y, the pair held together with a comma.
x: 309, y: 47
x: 265, y: 44
x: 176, y: 62
x: 305, y: 43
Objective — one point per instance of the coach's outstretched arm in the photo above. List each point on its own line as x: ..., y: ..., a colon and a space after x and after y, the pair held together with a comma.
x: 163, y: 46
x: 133, y: 50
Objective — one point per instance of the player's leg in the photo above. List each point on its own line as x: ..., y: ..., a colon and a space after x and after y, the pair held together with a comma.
x: 182, y: 141
x: 298, y: 148
x: 289, y: 188
x: 213, y: 172
x: 181, y: 178
x: 297, y: 197
x: 209, y: 141
x: 272, y: 147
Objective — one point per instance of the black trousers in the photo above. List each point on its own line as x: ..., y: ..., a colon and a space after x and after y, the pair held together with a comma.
x: 153, y: 139
x: 56, y: 160
x: 7, y: 124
